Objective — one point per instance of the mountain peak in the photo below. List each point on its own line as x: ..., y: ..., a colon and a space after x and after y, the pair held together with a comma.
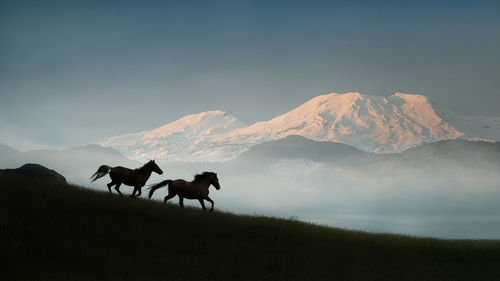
x: 411, y: 97
x: 210, y: 113
x: 197, y: 123
x: 335, y: 97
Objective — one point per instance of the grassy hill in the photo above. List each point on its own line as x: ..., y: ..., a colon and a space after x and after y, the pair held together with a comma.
x: 54, y: 231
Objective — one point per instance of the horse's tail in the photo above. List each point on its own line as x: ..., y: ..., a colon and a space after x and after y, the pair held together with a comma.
x: 158, y: 185
x: 101, y: 172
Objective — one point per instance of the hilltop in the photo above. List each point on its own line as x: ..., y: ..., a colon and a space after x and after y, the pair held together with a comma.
x: 35, y: 171
x: 55, y: 231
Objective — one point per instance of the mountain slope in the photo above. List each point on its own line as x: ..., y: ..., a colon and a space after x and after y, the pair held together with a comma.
x: 54, y: 231
x: 370, y: 123
x: 473, y: 127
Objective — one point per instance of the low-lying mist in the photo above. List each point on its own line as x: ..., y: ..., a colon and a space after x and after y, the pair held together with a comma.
x: 445, y: 199
x: 447, y: 190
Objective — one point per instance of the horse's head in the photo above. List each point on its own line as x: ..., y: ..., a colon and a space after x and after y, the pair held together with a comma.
x: 215, y: 181
x: 154, y: 167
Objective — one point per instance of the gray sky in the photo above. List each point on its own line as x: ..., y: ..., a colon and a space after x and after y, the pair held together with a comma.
x: 71, y: 73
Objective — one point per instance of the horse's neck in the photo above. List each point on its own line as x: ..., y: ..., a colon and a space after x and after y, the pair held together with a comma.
x: 146, y: 172
x: 205, y: 184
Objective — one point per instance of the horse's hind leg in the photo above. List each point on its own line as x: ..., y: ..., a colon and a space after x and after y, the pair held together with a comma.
x: 168, y: 197
x: 181, y: 201
x: 133, y: 192
x: 211, y: 201
x: 117, y: 188
x: 202, y: 204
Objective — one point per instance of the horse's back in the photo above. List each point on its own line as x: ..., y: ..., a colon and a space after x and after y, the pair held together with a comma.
x: 179, y: 184
x: 123, y: 174
x: 186, y: 189
x: 120, y: 170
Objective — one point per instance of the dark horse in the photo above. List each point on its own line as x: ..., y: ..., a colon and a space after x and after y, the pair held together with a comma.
x: 196, y: 189
x: 136, y: 178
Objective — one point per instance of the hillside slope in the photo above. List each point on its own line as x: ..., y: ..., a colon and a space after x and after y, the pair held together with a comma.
x: 54, y: 232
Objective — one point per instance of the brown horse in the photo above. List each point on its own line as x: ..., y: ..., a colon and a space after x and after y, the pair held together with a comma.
x: 196, y: 189
x: 136, y: 178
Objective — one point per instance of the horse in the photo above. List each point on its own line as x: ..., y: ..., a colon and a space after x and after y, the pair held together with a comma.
x: 136, y: 178
x: 196, y: 189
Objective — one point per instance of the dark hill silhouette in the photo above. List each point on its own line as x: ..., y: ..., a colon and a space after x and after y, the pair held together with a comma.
x: 36, y: 171
x: 459, y: 151
x: 300, y: 147
x: 438, y: 156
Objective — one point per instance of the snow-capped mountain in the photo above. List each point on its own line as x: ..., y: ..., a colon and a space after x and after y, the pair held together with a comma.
x: 192, y: 138
x: 371, y: 123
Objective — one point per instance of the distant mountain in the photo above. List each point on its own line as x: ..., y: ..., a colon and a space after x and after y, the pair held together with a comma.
x: 77, y: 163
x: 9, y: 156
x: 7, y: 150
x: 441, y: 158
x: 35, y: 171
x: 479, y: 150
x: 370, y: 123
x: 192, y: 138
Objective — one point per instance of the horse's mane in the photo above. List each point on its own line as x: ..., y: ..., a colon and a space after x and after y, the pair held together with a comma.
x: 202, y: 176
x: 143, y: 168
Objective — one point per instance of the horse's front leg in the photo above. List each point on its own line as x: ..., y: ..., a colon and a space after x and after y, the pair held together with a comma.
x: 211, y: 201
x: 139, y: 191
x: 136, y: 189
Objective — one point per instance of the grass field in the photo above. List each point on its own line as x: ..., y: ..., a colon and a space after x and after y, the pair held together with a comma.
x: 53, y: 231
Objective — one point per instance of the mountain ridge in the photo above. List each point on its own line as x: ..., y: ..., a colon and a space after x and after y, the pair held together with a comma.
x: 370, y: 123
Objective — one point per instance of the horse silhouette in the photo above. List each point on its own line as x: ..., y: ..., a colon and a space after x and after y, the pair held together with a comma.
x: 136, y: 178
x: 196, y: 189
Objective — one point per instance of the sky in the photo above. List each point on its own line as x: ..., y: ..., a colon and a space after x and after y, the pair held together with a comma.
x: 73, y: 72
